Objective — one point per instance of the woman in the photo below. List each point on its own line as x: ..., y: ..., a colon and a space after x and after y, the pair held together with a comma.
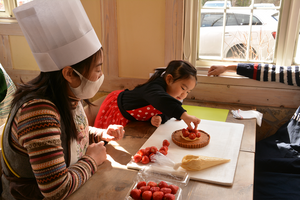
x: 49, y: 150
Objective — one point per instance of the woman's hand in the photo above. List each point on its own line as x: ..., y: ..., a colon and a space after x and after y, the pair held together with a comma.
x: 216, y: 70
x: 97, y: 151
x: 188, y: 119
x: 156, y: 120
x: 113, y: 133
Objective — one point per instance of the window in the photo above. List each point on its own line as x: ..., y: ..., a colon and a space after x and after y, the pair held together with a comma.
x: 260, y: 33
x: 6, y: 7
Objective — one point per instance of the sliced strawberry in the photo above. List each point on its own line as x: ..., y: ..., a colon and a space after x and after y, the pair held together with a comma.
x: 145, y: 160
x: 153, y: 149
x: 137, y: 158
x: 147, y: 151
x: 165, y: 148
x: 163, y: 152
x: 141, y: 152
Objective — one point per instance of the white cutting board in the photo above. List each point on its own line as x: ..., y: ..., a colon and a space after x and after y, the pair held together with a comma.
x: 225, y: 142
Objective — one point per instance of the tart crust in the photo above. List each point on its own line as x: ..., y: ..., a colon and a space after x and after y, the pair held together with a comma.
x: 202, y: 142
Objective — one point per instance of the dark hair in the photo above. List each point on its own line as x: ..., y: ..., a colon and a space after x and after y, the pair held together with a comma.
x: 53, y: 86
x: 179, y: 69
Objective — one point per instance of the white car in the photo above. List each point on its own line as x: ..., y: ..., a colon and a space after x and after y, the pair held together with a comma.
x: 216, y: 4
x: 262, y: 42
x: 264, y: 5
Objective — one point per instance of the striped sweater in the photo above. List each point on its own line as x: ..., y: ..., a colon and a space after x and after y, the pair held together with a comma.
x: 36, y: 132
x: 266, y: 72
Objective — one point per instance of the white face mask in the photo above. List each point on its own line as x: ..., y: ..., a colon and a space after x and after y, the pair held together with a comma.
x: 87, y: 89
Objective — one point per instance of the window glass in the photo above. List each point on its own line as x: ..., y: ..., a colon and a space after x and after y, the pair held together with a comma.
x: 21, y: 2
x: 212, y: 19
x: 2, y: 8
x: 231, y: 20
x: 239, y: 40
x: 6, y: 7
x: 244, y: 19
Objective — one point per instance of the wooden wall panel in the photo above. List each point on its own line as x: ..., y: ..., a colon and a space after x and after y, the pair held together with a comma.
x: 5, y: 57
x: 109, y: 38
x: 174, y: 30
x: 246, y: 95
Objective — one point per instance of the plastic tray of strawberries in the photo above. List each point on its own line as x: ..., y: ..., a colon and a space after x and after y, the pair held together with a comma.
x: 164, y: 178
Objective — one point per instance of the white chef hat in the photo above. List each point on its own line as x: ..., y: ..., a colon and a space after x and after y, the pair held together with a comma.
x: 58, y: 32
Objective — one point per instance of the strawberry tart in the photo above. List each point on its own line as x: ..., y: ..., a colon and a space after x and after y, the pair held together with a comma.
x: 190, y: 138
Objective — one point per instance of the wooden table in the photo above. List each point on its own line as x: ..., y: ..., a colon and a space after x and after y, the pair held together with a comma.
x: 113, y: 180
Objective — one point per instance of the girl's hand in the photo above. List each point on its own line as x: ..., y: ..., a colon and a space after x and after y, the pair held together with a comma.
x: 97, y: 151
x: 113, y: 133
x: 188, y: 119
x: 156, y: 120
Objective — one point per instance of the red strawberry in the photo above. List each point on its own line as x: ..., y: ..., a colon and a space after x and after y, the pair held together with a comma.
x: 135, y: 193
x: 158, y: 195
x: 191, y: 130
x: 166, y: 190
x: 152, y: 184
x: 137, y: 158
x: 147, y: 151
x: 166, y: 143
x: 192, y: 136
x: 165, y: 148
x: 141, y: 152
x: 163, y: 152
x: 154, y: 189
x: 198, y: 134
x: 145, y: 160
x: 174, y: 188
x: 147, y: 195
x: 163, y: 184
x: 169, y: 197
x: 145, y: 188
x: 140, y: 184
x: 153, y: 149
x: 185, y: 133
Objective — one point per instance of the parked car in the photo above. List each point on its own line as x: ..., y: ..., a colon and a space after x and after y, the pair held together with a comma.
x: 216, y: 4
x: 264, y: 5
x: 262, y: 42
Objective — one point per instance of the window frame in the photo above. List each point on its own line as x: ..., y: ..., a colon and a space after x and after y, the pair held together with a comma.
x: 288, y: 25
x: 9, y: 6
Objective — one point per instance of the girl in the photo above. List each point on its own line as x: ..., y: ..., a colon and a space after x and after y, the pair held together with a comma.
x: 157, y: 100
x: 48, y: 149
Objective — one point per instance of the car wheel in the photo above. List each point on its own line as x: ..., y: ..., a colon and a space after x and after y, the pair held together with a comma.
x: 239, y: 52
